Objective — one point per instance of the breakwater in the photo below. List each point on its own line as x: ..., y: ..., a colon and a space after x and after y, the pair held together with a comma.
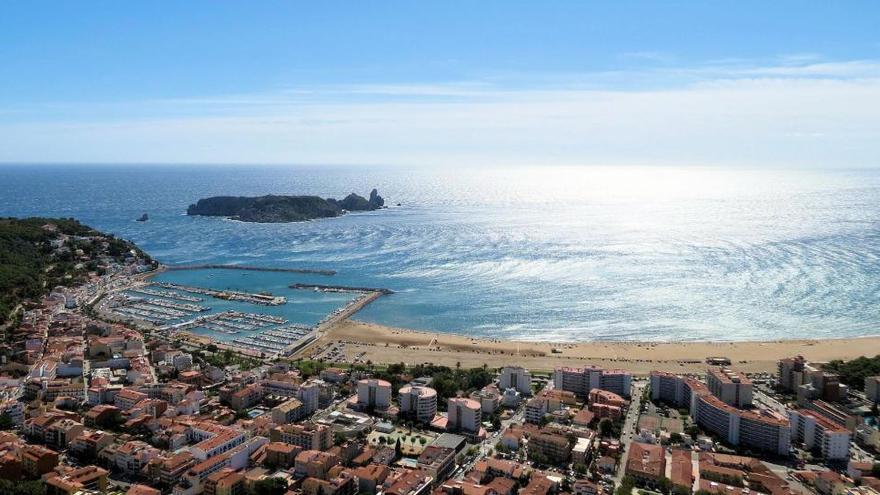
x: 341, y: 288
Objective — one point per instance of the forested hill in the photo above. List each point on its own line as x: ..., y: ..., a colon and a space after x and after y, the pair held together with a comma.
x: 38, y: 254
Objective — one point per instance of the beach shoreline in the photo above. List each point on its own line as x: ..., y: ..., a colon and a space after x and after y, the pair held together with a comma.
x: 382, y: 344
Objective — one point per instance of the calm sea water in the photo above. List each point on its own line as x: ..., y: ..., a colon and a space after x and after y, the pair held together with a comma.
x: 529, y: 253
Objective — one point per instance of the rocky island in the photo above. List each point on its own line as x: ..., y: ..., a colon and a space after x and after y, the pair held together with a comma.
x: 281, y: 209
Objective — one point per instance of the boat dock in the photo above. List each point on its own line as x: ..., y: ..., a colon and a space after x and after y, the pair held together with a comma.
x: 279, y: 341
x: 230, y: 295
x: 229, y: 322
x: 153, y: 310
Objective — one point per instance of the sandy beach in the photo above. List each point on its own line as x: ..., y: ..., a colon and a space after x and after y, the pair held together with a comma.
x: 381, y: 344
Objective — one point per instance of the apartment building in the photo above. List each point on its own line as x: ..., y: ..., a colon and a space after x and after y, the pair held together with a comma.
x: 553, y: 446
x: 760, y: 429
x: 517, y: 378
x: 646, y: 463
x: 732, y: 387
x: 437, y: 461
x: 309, y: 436
x: 819, y: 433
x: 288, y: 412
x: 582, y: 380
x: 418, y: 402
x: 373, y: 394
x: 464, y: 415
x: 872, y: 388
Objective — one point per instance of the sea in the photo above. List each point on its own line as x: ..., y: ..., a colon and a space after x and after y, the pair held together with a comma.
x: 533, y: 253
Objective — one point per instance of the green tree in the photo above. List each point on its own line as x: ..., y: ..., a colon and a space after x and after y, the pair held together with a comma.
x: 338, y: 438
x: 606, y: 427
x: 6, y: 421
x: 854, y: 372
x: 396, y: 368
x: 626, y: 486
x: 22, y: 487
x: 270, y: 486
x: 664, y: 485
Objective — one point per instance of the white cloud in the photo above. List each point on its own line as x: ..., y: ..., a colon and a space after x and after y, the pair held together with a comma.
x: 800, y: 114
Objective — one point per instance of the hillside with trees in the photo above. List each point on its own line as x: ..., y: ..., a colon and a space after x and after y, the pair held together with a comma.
x: 38, y: 254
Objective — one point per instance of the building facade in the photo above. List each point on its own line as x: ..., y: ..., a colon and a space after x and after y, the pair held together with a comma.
x: 418, y: 402
x: 517, y: 378
x: 582, y: 380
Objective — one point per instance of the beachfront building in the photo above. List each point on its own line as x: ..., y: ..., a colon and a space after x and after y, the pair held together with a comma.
x: 763, y: 429
x: 808, y: 381
x: 373, y: 394
x: 760, y: 429
x: 790, y: 372
x: 582, y: 380
x: 819, y: 433
x: 732, y: 387
x: 517, y: 378
x: 670, y: 388
x: 418, y: 402
x: 464, y: 415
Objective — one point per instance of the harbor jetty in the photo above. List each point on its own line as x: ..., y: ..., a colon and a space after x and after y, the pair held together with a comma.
x: 211, y: 266
x: 341, y: 288
x: 348, y: 310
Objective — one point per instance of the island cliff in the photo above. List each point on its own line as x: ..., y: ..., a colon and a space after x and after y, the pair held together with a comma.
x: 278, y: 209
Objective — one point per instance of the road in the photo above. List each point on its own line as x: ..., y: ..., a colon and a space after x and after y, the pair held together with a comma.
x: 628, y: 431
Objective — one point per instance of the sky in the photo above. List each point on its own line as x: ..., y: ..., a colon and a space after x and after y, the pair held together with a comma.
x: 442, y: 83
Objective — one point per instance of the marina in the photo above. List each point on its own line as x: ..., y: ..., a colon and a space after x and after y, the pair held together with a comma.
x: 282, y: 340
x: 178, y: 303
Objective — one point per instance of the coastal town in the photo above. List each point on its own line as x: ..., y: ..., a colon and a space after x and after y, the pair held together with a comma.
x: 93, y: 403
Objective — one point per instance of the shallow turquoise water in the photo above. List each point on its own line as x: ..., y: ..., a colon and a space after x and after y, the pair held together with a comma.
x: 535, y: 253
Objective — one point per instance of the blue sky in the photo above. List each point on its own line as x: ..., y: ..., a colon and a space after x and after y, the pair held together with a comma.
x: 425, y: 83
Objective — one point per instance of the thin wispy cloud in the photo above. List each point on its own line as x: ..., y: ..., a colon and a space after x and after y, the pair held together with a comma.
x: 800, y: 112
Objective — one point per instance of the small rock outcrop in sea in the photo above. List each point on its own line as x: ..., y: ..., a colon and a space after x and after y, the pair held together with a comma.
x: 143, y: 218
x: 279, y: 209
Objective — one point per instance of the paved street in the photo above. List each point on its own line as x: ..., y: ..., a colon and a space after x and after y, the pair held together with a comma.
x: 626, y: 435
